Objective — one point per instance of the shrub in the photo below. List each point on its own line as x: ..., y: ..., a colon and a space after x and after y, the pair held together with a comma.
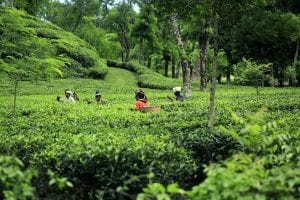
x: 15, y: 182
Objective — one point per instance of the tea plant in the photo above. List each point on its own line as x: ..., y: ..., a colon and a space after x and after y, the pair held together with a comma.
x: 107, y: 151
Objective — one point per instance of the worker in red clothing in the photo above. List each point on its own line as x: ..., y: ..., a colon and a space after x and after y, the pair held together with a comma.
x: 141, y: 99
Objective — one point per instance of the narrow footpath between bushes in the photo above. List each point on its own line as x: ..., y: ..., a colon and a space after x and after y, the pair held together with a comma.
x: 121, y: 77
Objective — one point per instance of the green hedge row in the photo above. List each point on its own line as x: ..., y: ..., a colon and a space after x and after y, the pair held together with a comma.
x: 99, y: 151
x: 147, y: 78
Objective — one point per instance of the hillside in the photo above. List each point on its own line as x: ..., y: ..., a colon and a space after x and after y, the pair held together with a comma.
x: 26, y: 41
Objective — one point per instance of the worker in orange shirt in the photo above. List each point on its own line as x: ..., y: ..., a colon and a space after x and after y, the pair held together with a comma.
x: 141, y: 99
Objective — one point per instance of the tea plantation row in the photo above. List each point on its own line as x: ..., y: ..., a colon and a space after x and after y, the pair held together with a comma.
x: 82, y: 151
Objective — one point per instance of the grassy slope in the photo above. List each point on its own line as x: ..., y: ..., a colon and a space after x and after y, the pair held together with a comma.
x: 146, y: 77
x: 120, y: 77
x: 26, y: 41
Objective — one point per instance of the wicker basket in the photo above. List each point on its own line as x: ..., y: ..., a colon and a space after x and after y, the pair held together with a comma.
x: 152, y: 109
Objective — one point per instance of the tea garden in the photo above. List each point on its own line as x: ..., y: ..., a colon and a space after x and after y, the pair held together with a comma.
x: 54, y: 150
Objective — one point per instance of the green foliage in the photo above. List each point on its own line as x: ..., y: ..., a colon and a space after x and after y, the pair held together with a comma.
x: 145, y: 31
x: 290, y: 75
x: 15, y: 182
x: 109, y: 151
x: 34, y: 46
x: 159, y: 192
x: 119, y: 20
x: 268, y: 169
x: 147, y: 78
x: 271, y: 171
x: 271, y: 40
x: 248, y: 72
x: 60, y: 182
x: 106, y: 44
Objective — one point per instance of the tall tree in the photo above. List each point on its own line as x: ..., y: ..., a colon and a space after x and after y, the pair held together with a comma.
x: 259, y: 30
x: 175, y: 10
x: 120, y: 20
x: 145, y: 30
x: 214, y: 25
x: 183, y: 56
x: 32, y: 7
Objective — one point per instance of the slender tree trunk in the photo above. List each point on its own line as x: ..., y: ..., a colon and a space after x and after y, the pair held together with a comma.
x: 141, y: 50
x: 196, y: 71
x: 124, y: 41
x: 166, y: 67
x: 149, y: 62
x: 127, y: 47
x: 15, y: 97
x: 214, y: 25
x: 186, y: 78
x: 183, y: 57
x: 272, y: 76
x: 204, y: 43
x: 173, y: 68
x: 295, y: 64
x: 297, y: 50
x: 177, y: 72
x: 229, y: 68
x: 228, y: 72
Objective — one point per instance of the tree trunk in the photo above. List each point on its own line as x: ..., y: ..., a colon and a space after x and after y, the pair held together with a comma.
x: 177, y: 72
x: 186, y: 78
x: 196, y: 71
x: 141, y: 50
x: 228, y: 70
x: 204, y: 43
x: 295, y: 64
x: 173, y: 68
x: 127, y: 47
x: 183, y: 57
x: 149, y: 62
x: 214, y: 25
x: 228, y: 73
x: 166, y: 67
x: 297, y: 50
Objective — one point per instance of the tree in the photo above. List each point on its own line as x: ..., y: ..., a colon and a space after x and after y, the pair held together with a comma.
x: 145, y: 31
x: 198, y: 30
x: 32, y: 7
x: 183, y: 57
x: 175, y: 10
x: 119, y: 20
x: 214, y: 25
x: 272, y: 39
x: 106, y: 44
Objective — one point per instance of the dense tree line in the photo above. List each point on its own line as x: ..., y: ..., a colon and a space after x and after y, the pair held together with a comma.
x: 180, y: 33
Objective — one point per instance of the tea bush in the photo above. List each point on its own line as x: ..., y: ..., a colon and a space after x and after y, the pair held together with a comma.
x: 109, y: 151
x: 267, y: 169
x: 28, y: 41
x: 15, y: 182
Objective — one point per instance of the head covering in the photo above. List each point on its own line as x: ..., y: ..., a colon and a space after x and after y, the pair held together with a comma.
x: 69, y: 92
x: 177, y: 89
x: 139, y: 90
x: 140, y: 95
x: 98, y: 93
